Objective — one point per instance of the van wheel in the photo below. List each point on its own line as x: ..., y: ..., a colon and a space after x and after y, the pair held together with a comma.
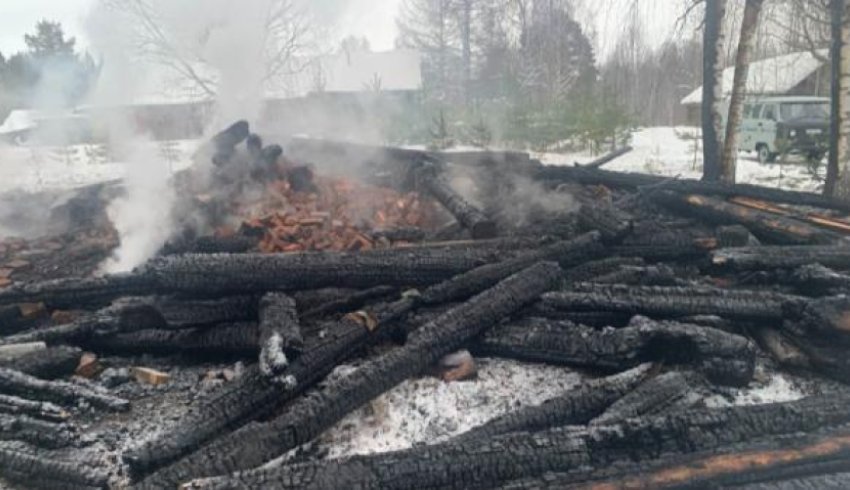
x: 764, y: 154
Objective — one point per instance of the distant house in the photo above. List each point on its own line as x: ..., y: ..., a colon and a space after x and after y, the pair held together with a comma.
x: 800, y: 73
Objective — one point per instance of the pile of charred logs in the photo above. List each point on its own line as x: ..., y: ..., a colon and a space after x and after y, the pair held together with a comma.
x: 657, y: 288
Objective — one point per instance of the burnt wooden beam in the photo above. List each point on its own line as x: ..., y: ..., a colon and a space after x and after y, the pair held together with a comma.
x: 310, y: 415
x: 487, y: 464
x: 51, y: 363
x: 40, y: 433
x: 766, y: 226
x: 230, y: 339
x: 815, y: 278
x: 281, y: 341
x: 75, y: 293
x: 587, y: 271
x: 723, y: 357
x: 13, y: 405
x: 180, y: 313
x: 778, y: 257
x: 348, y: 301
x: 612, y: 223
x: 627, y: 180
x: 17, y: 383
x: 667, y: 391
x: 607, y: 158
x: 472, y: 218
x: 31, y: 467
x: 671, y: 302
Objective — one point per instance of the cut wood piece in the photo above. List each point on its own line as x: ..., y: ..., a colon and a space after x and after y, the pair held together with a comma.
x: 459, y: 366
x: 766, y: 226
x: 523, y: 455
x: 776, y: 257
x: 280, y: 333
x: 17, y: 383
x: 89, y: 366
x: 40, y: 433
x: 577, y: 406
x: 674, y: 302
x: 31, y: 311
x: 13, y: 405
x: 310, y: 415
x: 630, y: 180
x: 672, y: 390
x: 237, y: 339
x: 150, y: 376
x: 468, y: 215
x: 613, y: 224
x: 51, y: 363
x: 46, y: 469
x: 723, y: 357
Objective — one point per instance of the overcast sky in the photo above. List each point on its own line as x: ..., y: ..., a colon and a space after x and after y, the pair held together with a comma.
x: 374, y: 19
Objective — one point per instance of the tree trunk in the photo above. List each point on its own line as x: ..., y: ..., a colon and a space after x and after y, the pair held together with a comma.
x: 752, y: 10
x: 712, y: 89
x: 837, y: 150
x: 843, y: 185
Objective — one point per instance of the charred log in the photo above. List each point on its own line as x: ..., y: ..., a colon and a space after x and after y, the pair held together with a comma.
x: 17, y: 383
x: 310, y: 415
x: 766, y: 226
x: 671, y: 302
x: 652, y: 275
x: 815, y: 278
x: 735, y: 236
x: 12, y: 405
x: 654, y: 397
x: 468, y: 215
x: 224, y: 143
x: 780, y: 348
x: 577, y: 406
x: 608, y: 158
x: 628, y: 180
x: 612, y: 223
x: 227, y: 340
x: 52, y: 363
x: 776, y: 257
x: 597, y: 319
x: 213, y: 245
x: 180, y: 313
x: 280, y: 334
x: 347, y: 301
x: 724, y: 358
x: 588, y: 271
x: 39, y: 433
x: 76, y: 293
x: 31, y: 466
x: 407, y: 234
x: 485, y: 464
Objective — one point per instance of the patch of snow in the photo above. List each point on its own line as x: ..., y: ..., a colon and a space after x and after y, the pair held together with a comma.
x: 430, y: 410
x: 677, y: 152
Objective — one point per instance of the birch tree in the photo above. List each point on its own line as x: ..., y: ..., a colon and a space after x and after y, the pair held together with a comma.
x: 841, y: 102
x: 752, y: 10
x: 837, y: 150
x: 712, y: 90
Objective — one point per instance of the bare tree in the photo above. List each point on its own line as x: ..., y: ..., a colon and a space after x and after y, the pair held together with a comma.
x: 712, y: 90
x: 752, y: 10
x: 837, y: 145
x: 282, y: 30
x: 841, y: 102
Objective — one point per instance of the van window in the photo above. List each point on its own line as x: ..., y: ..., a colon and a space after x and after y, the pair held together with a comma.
x: 770, y: 112
x: 756, y: 111
x: 748, y: 111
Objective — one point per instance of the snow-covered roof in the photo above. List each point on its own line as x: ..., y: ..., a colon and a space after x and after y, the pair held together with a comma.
x: 19, y: 120
x: 769, y: 76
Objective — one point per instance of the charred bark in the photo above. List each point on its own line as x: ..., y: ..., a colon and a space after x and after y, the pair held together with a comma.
x: 652, y: 275
x: 775, y: 257
x: 672, y: 302
x: 629, y: 180
x: 654, y: 397
x: 76, y: 293
x: 310, y: 415
x: 180, y: 313
x: 13, y: 405
x: 45, y: 470
x: 588, y: 271
x: 52, y: 363
x: 17, y: 383
x: 346, y: 302
x: 280, y: 333
x: 723, y: 357
x: 768, y: 227
x: 577, y: 406
x: 780, y: 348
x: 40, y: 433
x: 612, y: 223
x: 468, y: 215
x: 231, y: 339
x: 817, y: 279
x: 485, y: 464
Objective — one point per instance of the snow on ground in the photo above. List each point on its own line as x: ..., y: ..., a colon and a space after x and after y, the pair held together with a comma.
x: 38, y: 168
x: 676, y: 152
x: 430, y: 410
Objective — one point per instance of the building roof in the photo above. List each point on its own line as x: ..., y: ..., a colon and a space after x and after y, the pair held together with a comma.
x: 769, y: 76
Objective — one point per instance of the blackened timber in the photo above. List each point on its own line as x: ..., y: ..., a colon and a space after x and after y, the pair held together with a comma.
x: 230, y: 339
x: 346, y: 301
x: 723, y: 357
x: 607, y: 158
x: 21, y: 384
x: 189, y: 313
x: 612, y: 223
x: 589, y: 270
x: 628, y: 180
x: 40, y: 433
x: 815, y: 278
x: 48, y: 468
x: 280, y: 334
x: 578, y: 406
x: 14, y: 405
x: 489, y: 463
x: 310, y: 415
x: 774, y: 257
x: 768, y: 227
x: 673, y: 301
x: 75, y: 293
x: 663, y: 392
x: 51, y: 363
x: 468, y: 215
x: 219, y: 274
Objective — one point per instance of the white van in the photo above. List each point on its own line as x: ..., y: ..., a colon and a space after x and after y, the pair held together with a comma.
x: 774, y: 126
